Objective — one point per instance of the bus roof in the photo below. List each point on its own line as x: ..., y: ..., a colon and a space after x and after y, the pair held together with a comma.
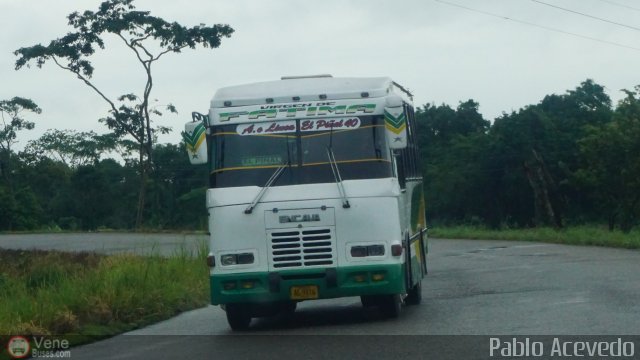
x: 301, y: 89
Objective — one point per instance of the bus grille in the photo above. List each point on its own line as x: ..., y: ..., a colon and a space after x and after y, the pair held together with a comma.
x: 310, y: 247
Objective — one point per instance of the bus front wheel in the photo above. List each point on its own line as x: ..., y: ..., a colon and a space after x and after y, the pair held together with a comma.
x: 391, y: 305
x: 369, y: 300
x: 238, y: 317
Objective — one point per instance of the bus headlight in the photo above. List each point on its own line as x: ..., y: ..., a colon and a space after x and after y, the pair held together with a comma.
x: 375, y: 250
x: 229, y: 259
x: 237, y: 259
x: 246, y: 258
x: 358, y: 251
x: 370, y: 250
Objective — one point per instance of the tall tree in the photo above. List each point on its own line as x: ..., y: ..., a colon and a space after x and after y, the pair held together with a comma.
x: 539, y: 143
x: 71, y: 147
x: 454, y: 144
x: 15, y: 206
x: 610, y: 171
x: 12, y: 122
x: 149, y: 38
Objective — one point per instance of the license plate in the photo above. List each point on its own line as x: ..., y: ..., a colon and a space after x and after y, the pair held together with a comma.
x: 304, y: 292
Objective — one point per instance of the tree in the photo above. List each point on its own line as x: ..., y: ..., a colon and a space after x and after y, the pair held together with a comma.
x: 439, y: 124
x: 453, y: 145
x: 149, y: 38
x: 49, y: 182
x: 178, y: 190
x: 539, y: 143
x: 71, y: 147
x: 611, y: 166
x: 17, y: 205
x: 12, y: 122
x: 524, y: 140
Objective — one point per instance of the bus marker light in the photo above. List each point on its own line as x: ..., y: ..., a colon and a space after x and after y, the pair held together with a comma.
x: 229, y: 285
x: 247, y: 284
x: 360, y: 278
x: 396, y: 250
x: 377, y: 277
x: 211, y: 261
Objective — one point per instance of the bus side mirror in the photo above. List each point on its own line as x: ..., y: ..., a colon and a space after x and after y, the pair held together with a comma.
x: 195, y: 138
x: 395, y: 123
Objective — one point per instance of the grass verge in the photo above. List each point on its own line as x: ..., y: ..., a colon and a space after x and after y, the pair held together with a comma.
x: 577, y: 235
x: 88, y: 296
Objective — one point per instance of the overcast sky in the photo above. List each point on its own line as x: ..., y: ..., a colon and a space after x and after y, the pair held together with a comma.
x: 442, y: 53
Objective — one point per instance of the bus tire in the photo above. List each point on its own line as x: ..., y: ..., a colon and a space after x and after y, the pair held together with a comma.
x: 289, y: 307
x: 369, y: 300
x: 391, y: 305
x: 238, y: 317
x: 414, y: 297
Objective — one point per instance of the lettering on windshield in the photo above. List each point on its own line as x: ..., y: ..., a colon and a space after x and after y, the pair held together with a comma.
x: 328, y: 124
x: 264, y: 160
x: 276, y: 127
x: 283, y: 127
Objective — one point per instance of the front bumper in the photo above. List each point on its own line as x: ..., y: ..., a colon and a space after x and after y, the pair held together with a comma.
x: 266, y: 287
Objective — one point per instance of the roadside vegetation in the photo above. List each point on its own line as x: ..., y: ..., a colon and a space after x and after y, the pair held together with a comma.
x: 577, y: 235
x: 90, y: 295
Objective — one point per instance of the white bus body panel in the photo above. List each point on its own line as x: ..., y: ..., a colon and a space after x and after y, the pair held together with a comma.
x: 369, y: 220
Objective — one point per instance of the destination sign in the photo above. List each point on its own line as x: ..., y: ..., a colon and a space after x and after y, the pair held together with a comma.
x: 328, y: 124
x: 289, y: 126
x: 267, y: 128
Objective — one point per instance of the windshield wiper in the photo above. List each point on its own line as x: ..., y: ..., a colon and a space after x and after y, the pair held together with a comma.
x: 337, y: 177
x: 266, y: 187
x: 276, y: 174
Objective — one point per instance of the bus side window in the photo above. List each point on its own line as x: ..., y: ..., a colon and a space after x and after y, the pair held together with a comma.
x: 401, y: 168
x: 410, y: 153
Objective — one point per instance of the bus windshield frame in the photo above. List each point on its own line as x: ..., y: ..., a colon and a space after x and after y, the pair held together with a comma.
x: 248, y: 154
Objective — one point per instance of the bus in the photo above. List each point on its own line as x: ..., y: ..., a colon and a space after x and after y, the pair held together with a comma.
x: 315, y: 192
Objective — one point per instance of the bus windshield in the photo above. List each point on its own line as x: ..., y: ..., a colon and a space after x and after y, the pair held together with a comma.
x: 248, y: 154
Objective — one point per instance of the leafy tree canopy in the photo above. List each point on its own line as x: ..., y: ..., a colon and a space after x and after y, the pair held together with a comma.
x: 12, y: 122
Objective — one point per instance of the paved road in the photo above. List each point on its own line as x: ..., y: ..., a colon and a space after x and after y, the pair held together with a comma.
x: 105, y: 243
x: 473, y: 288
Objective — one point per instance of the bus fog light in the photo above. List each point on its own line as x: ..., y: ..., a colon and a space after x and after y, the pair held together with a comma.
x: 396, y: 250
x: 358, y: 251
x: 377, y: 277
x: 229, y: 259
x: 246, y: 258
x: 229, y: 285
x: 360, y: 278
x: 248, y: 284
x: 375, y: 250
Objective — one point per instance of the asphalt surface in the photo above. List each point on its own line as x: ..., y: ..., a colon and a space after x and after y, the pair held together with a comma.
x: 106, y: 243
x: 473, y: 288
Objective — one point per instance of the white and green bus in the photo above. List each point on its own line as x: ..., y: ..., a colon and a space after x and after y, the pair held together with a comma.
x: 315, y: 192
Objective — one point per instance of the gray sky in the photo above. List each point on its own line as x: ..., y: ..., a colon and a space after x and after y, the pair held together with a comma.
x: 443, y: 54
